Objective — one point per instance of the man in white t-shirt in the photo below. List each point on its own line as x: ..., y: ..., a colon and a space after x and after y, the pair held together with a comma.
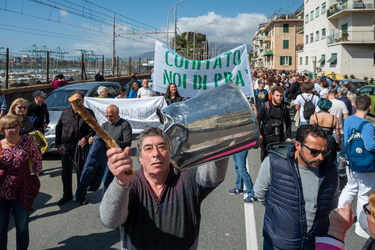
x: 145, y: 91
x: 307, y: 89
x: 338, y: 109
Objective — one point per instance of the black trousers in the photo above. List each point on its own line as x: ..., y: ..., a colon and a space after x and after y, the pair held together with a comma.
x: 67, y: 159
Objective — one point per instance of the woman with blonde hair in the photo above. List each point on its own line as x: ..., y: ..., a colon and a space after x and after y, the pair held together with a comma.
x: 134, y: 90
x: 18, y: 108
x: 20, y: 165
x: 341, y: 219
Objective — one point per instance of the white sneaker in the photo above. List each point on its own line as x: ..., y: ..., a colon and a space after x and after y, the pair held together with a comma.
x: 360, y: 232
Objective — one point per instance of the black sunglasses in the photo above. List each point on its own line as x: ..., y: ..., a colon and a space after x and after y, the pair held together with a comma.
x: 366, y: 210
x: 315, y: 152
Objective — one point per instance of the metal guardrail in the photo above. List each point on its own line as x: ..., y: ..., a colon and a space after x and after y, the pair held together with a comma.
x: 348, y: 6
x: 338, y: 35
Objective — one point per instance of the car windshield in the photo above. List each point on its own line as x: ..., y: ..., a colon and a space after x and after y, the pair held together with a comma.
x: 360, y: 84
x: 58, y: 100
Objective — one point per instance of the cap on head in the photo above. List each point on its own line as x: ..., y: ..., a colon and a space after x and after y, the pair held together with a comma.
x: 39, y: 93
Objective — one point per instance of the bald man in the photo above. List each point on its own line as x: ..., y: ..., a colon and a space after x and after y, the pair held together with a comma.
x: 120, y: 130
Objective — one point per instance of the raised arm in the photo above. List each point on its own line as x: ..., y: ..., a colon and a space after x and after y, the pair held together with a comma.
x: 114, y: 206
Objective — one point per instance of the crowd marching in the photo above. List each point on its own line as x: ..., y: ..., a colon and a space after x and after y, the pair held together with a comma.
x: 298, y: 180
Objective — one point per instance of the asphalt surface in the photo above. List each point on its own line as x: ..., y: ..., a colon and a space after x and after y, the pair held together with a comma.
x: 72, y: 226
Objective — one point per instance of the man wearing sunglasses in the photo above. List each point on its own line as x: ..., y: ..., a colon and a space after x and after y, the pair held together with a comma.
x: 95, y: 168
x: 299, y: 188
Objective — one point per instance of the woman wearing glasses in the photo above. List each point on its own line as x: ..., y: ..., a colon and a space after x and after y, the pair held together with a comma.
x: 17, y: 187
x: 18, y: 108
x: 341, y: 219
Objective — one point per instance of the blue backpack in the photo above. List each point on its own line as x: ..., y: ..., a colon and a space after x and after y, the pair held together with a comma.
x: 360, y: 159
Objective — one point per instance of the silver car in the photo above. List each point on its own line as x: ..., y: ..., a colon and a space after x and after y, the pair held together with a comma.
x: 57, y: 101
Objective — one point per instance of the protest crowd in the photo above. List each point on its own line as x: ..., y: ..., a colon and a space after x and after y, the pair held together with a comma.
x: 298, y: 180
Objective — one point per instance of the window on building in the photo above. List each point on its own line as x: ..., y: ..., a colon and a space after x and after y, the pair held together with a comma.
x: 301, y: 60
x: 322, y: 60
x: 307, y: 39
x: 323, y: 33
x: 285, y: 44
x: 317, y: 36
x: 344, y: 28
x: 311, y: 37
x: 306, y: 60
x: 266, y: 33
x: 286, y: 27
x: 285, y: 60
x: 307, y: 18
x: 374, y: 58
x: 311, y: 15
x: 333, y: 59
x: 324, y: 8
x: 317, y: 11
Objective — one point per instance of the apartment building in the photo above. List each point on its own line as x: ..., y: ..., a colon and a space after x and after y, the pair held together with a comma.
x: 338, y: 37
x: 276, y: 41
x: 259, y: 47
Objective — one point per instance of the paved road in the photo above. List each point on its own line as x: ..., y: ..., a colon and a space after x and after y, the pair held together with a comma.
x: 227, y: 223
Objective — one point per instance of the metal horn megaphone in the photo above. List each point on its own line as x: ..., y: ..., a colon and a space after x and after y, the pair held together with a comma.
x: 211, y: 126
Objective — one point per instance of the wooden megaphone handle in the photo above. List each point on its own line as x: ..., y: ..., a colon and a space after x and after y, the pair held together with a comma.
x: 90, y: 120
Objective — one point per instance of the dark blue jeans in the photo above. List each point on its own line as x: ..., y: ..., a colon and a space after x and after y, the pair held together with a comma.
x: 268, y: 246
x: 242, y: 174
x: 21, y: 218
x: 93, y: 169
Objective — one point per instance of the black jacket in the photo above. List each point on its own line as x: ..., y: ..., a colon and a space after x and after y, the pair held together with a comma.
x: 38, y: 114
x: 70, y: 129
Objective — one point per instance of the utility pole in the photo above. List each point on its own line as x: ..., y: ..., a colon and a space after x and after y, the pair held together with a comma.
x: 175, y: 28
x: 114, y: 44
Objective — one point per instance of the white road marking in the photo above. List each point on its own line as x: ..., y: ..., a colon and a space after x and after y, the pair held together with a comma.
x: 251, y: 231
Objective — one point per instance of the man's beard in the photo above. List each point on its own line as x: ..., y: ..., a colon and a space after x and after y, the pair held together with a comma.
x: 309, y: 164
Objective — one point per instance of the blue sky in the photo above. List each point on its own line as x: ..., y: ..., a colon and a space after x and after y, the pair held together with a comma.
x: 80, y: 24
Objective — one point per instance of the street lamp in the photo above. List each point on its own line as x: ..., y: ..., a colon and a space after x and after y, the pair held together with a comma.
x: 195, y: 31
x: 169, y: 11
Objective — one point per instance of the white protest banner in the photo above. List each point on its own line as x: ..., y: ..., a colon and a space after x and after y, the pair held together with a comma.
x: 194, y: 77
x: 139, y: 112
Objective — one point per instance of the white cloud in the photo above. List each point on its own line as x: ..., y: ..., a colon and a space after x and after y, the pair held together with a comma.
x: 63, y: 12
x: 239, y: 29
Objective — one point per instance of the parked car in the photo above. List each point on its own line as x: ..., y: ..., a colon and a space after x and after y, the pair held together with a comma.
x: 359, y: 83
x: 369, y: 90
x: 57, y: 101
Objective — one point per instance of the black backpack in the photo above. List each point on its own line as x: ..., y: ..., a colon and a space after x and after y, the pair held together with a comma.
x: 308, y: 107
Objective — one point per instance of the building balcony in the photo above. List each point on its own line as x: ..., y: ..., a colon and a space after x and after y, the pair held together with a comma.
x: 300, y: 10
x: 351, y: 37
x: 269, y: 52
x: 300, y: 30
x: 299, y: 47
x: 267, y: 39
x: 340, y: 9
